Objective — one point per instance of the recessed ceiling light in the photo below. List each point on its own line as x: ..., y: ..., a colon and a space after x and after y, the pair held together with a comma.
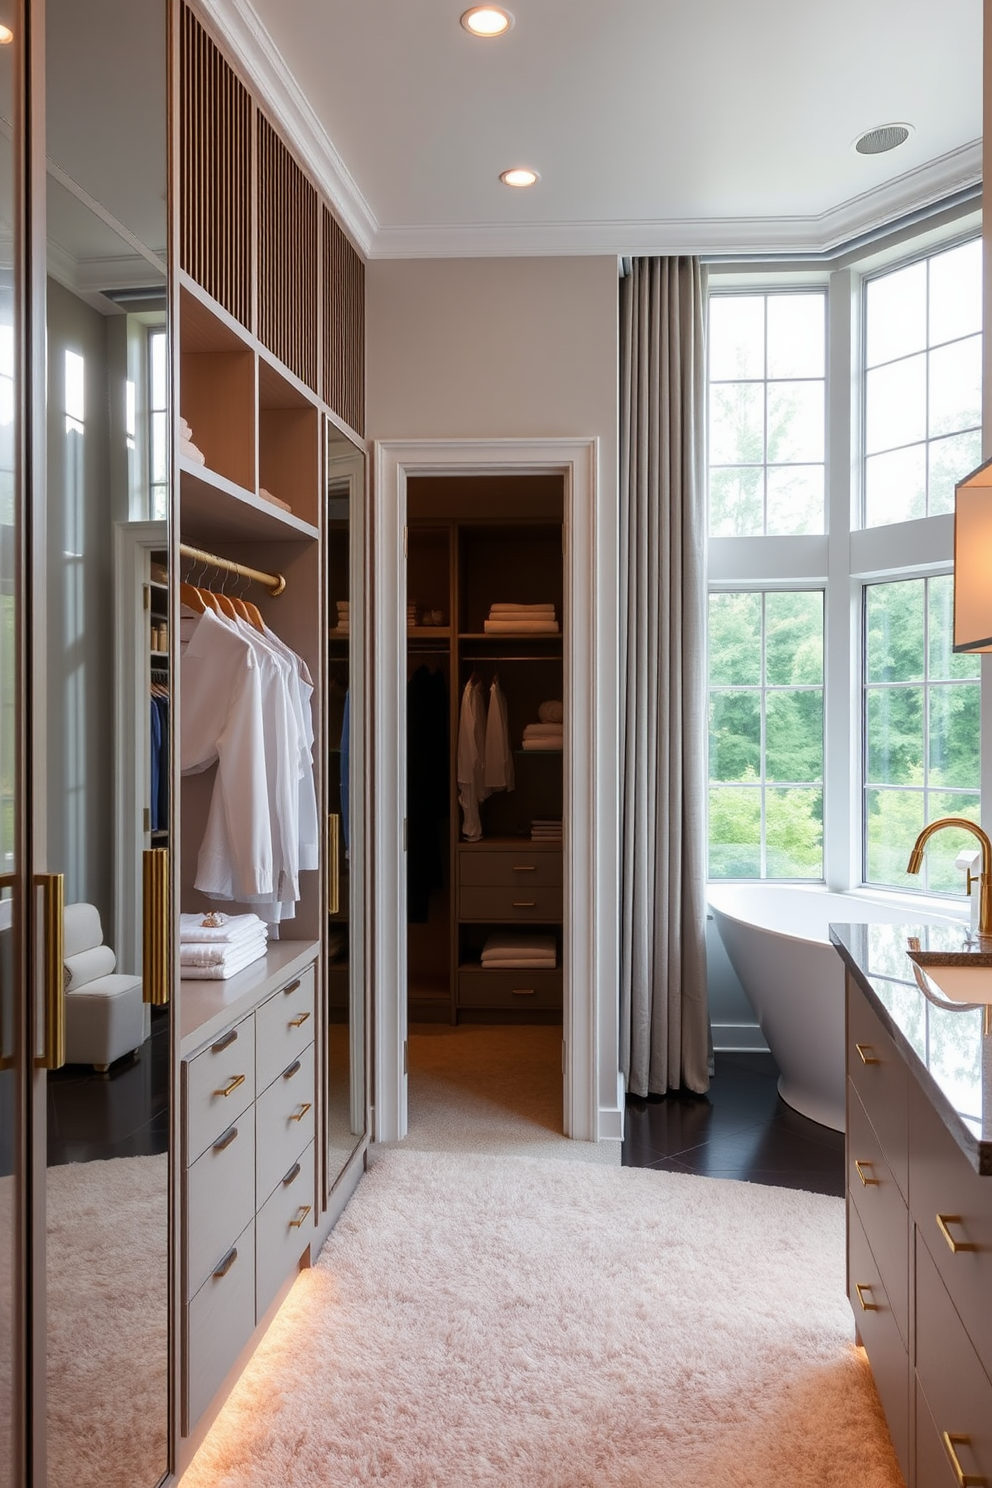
x: 6, y: 36
x: 487, y: 20
x: 520, y: 175
x: 885, y: 137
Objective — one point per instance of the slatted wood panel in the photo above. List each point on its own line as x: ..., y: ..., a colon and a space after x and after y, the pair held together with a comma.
x: 343, y: 326
x: 215, y: 173
x: 287, y: 257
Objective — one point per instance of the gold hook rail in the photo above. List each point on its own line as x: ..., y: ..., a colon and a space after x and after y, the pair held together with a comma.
x: 275, y: 583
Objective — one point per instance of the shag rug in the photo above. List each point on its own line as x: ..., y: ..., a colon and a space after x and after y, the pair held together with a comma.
x: 522, y: 1323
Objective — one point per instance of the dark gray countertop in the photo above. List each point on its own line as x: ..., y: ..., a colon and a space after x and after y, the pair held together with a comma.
x: 945, y: 1048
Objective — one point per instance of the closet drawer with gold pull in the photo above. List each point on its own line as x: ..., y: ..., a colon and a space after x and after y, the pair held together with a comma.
x: 955, y: 1427
x: 529, y: 902
x: 881, y: 1208
x: 284, y: 1122
x: 283, y: 1229
x: 486, y: 987
x: 878, y: 1074
x: 219, y: 1322
x: 880, y: 1336
x: 284, y: 1026
x: 218, y: 1086
x: 519, y: 868
x: 220, y: 1198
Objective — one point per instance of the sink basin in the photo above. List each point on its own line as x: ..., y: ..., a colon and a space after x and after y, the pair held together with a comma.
x: 965, y: 977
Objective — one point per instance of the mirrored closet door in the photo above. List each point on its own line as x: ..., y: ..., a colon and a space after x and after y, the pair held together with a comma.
x: 102, y: 807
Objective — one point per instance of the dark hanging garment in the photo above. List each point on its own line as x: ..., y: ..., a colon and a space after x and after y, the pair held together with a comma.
x: 162, y: 704
x: 427, y: 787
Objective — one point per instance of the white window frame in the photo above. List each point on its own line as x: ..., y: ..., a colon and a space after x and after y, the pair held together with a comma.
x: 848, y: 555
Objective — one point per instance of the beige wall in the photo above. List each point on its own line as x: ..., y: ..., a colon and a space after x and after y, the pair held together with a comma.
x: 494, y: 348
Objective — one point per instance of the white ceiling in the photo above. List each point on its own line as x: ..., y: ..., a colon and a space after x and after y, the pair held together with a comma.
x: 711, y: 126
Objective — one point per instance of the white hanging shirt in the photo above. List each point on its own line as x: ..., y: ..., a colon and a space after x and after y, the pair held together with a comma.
x: 499, y: 773
x: 470, y: 760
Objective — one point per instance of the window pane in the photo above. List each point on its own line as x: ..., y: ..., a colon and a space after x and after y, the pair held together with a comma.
x: 795, y: 500
x: 796, y: 335
x: 736, y: 501
x: 159, y: 449
x: 956, y: 292
x: 737, y: 423
x: 794, y: 735
x: 794, y: 833
x: 944, y: 665
x: 955, y: 731
x: 894, y: 625
x: 896, y: 314
x: 795, y: 422
x: 951, y: 459
x: 735, y: 640
x: 794, y: 644
x: 895, y: 486
x: 894, y: 821
x: 938, y: 861
x: 895, y: 736
x: 956, y: 386
x: 735, y: 735
x: 735, y: 832
x: 896, y: 404
x: 737, y: 336
x: 157, y: 348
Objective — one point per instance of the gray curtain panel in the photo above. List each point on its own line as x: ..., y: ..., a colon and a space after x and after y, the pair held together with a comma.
x: 664, y: 1023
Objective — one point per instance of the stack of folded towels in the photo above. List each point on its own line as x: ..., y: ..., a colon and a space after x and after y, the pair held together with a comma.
x: 215, y: 946
x: 344, y: 616
x: 518, y: 619
x: 545, y: 829
x: 187, y: 448
x: 274, y: 500
x: 506, y: 949
x: 411, y: 614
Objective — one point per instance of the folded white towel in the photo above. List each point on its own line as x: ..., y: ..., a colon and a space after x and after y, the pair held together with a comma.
x: 551, y: 712
x: 229, y: 969
x: 190, y: 452
x: 521, y: 609
x: 544, y: 730
x: 520, y: 627
x: 86, y: 966
x: 213, y: 953
x: 531, y: 963
x: 216, y: 925
x: 518, y: 943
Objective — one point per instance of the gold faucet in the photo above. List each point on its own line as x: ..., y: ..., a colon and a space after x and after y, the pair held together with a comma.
x: 985, y: 878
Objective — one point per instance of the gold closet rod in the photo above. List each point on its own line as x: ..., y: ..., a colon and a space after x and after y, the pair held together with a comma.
x: 275, y: 583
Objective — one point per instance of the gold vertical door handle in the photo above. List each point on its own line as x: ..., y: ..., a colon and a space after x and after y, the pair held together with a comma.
x: 868, y: 1055
x: 860, y: 1166
x: 155, y: 920
x: 965, y: 1480
x: 52, y: 886
x: 333, y: 863
x: 861, y: 1287
x: 943, y: 1221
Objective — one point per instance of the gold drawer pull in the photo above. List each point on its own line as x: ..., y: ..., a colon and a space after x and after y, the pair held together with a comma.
x: 525, y: 904
x: 943, y: 1220
x: 525, y: 867
x: 225, y: 1141
x: 232, y: 1085
x: 867, y: 1054
x: 292, y: 987
x: 299, y: 1020
x: 292, y: 1175
x: 861, y: 1167
x: 861, y: 1287
x: 301, y: 1214
x: 224, y: 1043
x: 299, y: 1115
x: 294, y: 1069
x: 227, y: 1262
x: 965, y: 1480
x: 522, y: 991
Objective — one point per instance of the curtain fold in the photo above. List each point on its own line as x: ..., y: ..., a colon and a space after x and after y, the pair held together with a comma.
x: 664, y: 1022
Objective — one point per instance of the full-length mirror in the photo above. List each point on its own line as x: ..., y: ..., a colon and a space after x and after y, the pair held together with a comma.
x: 346, y: 1055
x: 106, y: 692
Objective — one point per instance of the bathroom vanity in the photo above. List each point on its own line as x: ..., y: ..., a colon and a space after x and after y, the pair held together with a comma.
x: 919, y: 1199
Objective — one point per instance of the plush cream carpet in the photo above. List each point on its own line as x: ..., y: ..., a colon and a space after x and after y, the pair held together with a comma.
x: 494, y: 1322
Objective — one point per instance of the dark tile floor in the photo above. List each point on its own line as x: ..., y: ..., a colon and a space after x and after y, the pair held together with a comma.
x: 125, y: 1114
x: 740, y: 1129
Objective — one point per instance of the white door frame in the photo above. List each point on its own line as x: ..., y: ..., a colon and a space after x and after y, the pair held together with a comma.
x: 593, y: 1088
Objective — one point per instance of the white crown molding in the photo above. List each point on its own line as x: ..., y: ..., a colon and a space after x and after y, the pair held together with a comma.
x: 236, y: 24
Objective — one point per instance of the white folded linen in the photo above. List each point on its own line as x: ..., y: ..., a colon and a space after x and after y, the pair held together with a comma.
x: 521, y: 609
x: 531, y: 963
x: 229, y: 969
x: 223, y: 927
x: 518, y: 943
x: 520, y: 627
x: 189, y: 450
x: 544, y: 730
x: 86, y: 966
x: 542, y: 746
x: 211, y: 953
x: 551, y: 712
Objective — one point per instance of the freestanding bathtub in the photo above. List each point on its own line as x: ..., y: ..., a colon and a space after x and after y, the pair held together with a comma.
x: 776, y: 938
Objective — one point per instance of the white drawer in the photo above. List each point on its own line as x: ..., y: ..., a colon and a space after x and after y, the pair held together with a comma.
x: 284, y: 1123
x: 220, y: 1198
x: 219, y: 1322
x: 283, y: 1027
x: 219, y: 1084
x: 283, y: 1230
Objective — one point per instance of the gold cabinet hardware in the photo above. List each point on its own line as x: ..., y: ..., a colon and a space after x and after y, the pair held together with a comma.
x: 294, y: 1069
x: 292, y: 1175
x: 52, y: 886
x: 301, y: 1214
x: 232, y: 1085
x: 333, y: 862
x: 525, y: 904
x: 525, y: 867
x: 229, y: 1038
x: 155, y: 917
x: 227, y: 1262
x: 522, y: 991
x: 299, y: 1115
x: 299, y: 1020
x: 861, y: 1287
x: 965, y: 1480
x: 867, y: 1054
x: 860, y: 1166
x: 290, y: 987
x: 954, y: 1246
x: 223, y: 1142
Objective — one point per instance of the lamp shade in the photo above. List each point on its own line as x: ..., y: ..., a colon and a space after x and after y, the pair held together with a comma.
x: 973, y: 561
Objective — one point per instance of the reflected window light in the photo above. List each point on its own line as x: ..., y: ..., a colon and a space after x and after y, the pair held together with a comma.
x: 129, y: 412
x: 158, y: 418
x: 75, y: 392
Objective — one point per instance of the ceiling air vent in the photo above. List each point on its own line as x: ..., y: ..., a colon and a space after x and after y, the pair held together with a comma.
x: 885, y: 137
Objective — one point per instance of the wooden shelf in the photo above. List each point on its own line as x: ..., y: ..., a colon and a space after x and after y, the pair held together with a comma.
x: 213, y: 508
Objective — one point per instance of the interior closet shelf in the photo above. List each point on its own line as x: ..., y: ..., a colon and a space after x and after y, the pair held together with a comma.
x: 529, y: 752
x: 214, y: 508
x: 519, y: 638
x: 207, y: 1008
x: 429, y: 632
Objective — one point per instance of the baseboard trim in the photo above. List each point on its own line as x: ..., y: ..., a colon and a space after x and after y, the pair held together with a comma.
x: 738, y: 1038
